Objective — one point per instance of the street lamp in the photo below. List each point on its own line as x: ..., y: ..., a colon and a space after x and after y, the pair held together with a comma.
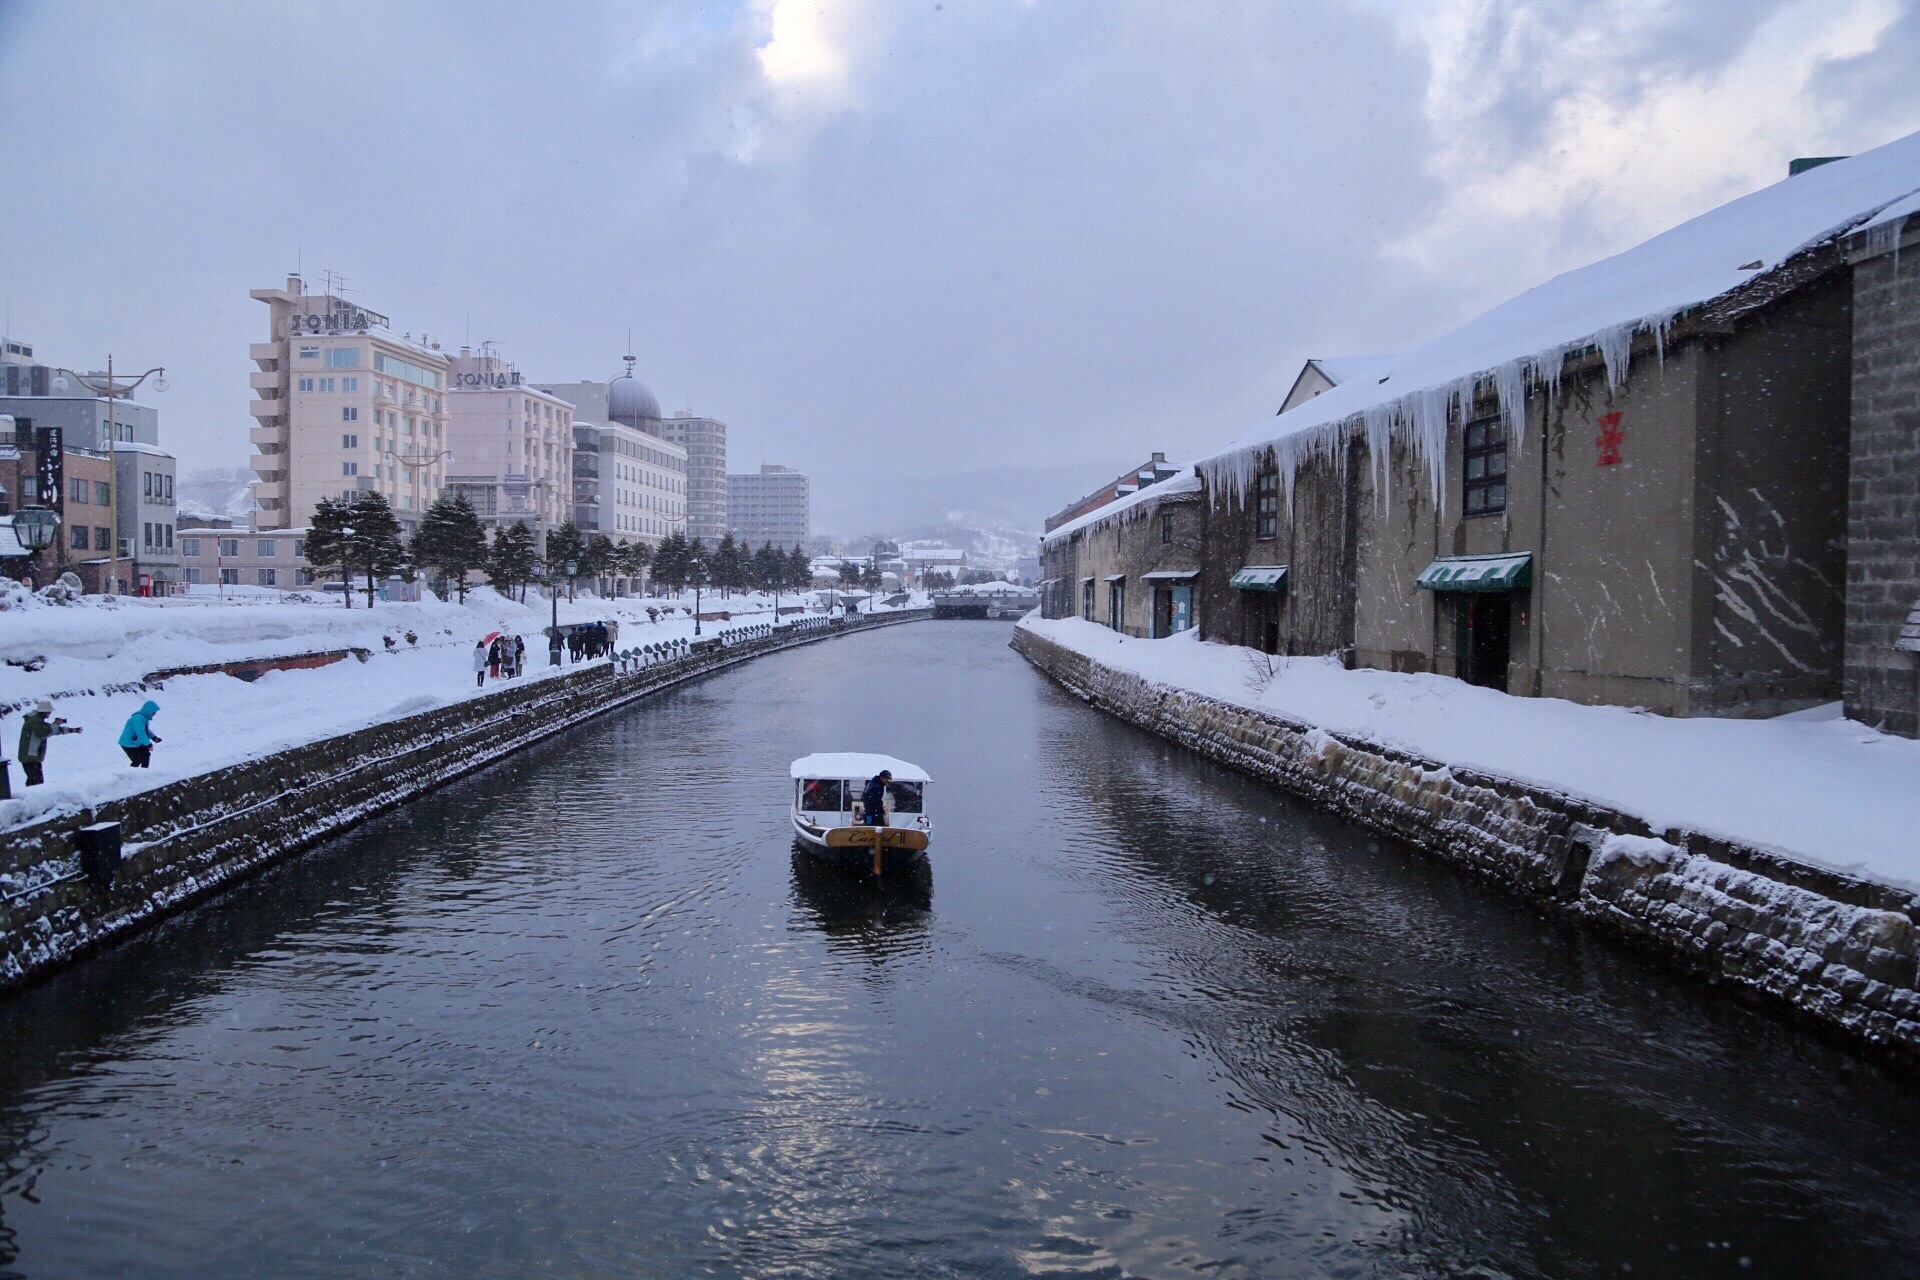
x: 36, y: 528
x: 539, y: 571
x: 113, y: 389
x: 573, y: 571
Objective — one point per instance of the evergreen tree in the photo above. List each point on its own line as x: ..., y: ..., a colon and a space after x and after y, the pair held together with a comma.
x: 766, y: 575
x: 799, y: 569
x: 670, y: 561
x: 634, y: 558
x: 699, y: 565
x: 564, y: 545
x: 849, y: 572
x: 870, y: 576
x: 726, y: 565
x: 510, y: 559
x: 451, y: 539
x: 375, y: 537
x: 599, y: 560
x: 329, y: 544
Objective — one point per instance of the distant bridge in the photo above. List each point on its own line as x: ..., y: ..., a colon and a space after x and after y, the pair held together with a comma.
x: 1007, y: 602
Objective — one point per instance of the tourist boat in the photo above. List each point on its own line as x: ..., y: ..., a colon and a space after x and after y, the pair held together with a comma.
x: 827, y: 815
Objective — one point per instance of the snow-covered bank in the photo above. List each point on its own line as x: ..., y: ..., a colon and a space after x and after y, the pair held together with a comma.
x: 1821, y: 790
x: 81, y: 652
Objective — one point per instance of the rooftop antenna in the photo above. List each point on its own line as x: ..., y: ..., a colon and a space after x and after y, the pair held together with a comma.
x: 629, y: 357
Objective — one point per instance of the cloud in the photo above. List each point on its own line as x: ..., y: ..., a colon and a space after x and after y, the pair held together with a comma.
x: 890, y: 240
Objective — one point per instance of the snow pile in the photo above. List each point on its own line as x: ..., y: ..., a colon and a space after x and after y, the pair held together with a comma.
x: 91, y: 657
x: 1601, y: 306
x: 1819, y: 789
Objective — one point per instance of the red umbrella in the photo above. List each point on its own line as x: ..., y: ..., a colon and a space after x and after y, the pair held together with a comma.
x: 490, y: 637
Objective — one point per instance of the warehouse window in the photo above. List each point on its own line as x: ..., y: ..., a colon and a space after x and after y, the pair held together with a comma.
x: 1486, y: 460
x: 1266, y: 492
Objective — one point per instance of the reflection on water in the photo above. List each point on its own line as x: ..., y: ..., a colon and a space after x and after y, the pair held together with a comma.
x: 588, y: 1013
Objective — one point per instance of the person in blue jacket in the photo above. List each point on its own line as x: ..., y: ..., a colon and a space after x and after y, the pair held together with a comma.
x: 873, y: 800
x: 138, y: 737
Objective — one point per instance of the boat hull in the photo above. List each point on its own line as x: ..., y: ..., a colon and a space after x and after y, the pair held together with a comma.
x: 814, y: 845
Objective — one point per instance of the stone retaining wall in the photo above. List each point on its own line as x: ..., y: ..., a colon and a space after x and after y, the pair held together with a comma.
x: 189, y: 838
x: 1835, y: 948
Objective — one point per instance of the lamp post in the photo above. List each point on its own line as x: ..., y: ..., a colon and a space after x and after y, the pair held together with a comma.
x: 36, y: 528
x: 114, y: 389
x: 539, y: 571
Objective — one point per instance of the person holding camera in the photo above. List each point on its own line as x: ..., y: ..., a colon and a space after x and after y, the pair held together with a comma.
x: 38, y: 727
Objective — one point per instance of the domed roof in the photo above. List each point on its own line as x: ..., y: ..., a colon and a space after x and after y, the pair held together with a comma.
x: 630, y: 403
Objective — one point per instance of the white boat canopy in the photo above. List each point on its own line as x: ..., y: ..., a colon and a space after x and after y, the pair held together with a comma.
x: 854, y: 764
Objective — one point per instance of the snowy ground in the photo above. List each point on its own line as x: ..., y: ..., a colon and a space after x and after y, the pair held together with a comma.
x: 1810, y: 786
x: 209, y: 721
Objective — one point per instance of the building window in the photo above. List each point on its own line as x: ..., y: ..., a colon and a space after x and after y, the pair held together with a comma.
x: 299, y: 547
x: 305, y: 384
x: 77, y: 537
x: 349, y: 442
x: 79, y: 488
x: 192, y: 576
x: 309, y: 353
x: 229, y: 577
x: 349, y: 384
x: 146, y: 534
x: 102, y: 493
x: 229, y: 546
x: 266, y: 547
x: 103, y: 538
x: 349, y: 413
x: 349, y: 469
x: 326, y: 384
x: 169, y: 537
x: 190, y: 546
x: 1166, y: 530
x: 146, y: 483
x: 343, y: 357
x: 303, y: 577
x: 267, y: 576
x: 168, y: 496
x: 1266, y: 506
x: 1486, y: 457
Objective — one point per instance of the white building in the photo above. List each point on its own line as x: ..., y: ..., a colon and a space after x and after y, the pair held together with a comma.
x: 345, y: 405
x: 510, y: 444
x: 629, y: 485
x: 775, y: 505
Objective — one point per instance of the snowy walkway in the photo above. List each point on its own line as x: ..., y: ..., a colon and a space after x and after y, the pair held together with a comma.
x: 209, y: 721
x: 1813, y: 787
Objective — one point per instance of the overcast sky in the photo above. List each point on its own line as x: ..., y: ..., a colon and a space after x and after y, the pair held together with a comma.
x: 949, y: 236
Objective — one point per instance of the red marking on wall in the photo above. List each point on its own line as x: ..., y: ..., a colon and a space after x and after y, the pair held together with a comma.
x: 1610, y: 439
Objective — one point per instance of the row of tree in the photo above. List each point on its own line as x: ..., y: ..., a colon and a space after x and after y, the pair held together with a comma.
x: 360, y: 536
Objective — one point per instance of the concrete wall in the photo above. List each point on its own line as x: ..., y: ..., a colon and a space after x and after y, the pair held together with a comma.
x: 1839, y: 951
x: 1131, y: 546
x: 1883, y: 530
x: 189, y: 838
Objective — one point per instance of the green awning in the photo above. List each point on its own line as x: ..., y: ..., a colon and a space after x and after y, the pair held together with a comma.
x: 1478, y: 573
x: 1260, y: 577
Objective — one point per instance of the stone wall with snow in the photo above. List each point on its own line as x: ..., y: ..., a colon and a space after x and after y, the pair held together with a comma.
x: 1836, y: 949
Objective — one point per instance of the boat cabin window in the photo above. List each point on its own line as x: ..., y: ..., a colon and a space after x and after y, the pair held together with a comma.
x: 907, y: 796
x: 821, y: 795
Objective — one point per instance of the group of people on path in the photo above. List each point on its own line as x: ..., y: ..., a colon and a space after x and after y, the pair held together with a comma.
x: 588, y: 641
x: 40, y: 726
x: 499, y: 656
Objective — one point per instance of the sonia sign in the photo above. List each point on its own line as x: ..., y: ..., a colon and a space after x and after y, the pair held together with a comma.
x: 486, y: 381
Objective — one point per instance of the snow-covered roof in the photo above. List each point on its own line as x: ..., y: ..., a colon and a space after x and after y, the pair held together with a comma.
x: 1602, y: 305
x: 1339, y: 369
x: 854, y: 764
x: 997, y: 587
x: 136, y: 446
x: 1188, y: 482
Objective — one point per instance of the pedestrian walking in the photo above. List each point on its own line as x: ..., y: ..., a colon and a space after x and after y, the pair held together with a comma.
x: 519, y: 656
x: 493, y: 658
x: 138, y: 738
x: 37, y: 727
x: 480, y: 664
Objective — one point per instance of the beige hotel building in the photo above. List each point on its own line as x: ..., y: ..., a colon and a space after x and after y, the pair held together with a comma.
x: 512, y: 443
x: 343, y: 405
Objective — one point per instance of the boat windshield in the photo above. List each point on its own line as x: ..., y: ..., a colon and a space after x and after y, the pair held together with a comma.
x: 821, y: 795
x: 908, y: 797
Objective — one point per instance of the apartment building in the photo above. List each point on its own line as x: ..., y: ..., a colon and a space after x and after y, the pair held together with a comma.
x: 773, y: 505
x: 214, y: 551
x: 344, y: 405
x: 628, y: 484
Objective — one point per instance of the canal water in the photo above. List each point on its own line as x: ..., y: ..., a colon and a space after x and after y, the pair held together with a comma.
x: 585, y: 1015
